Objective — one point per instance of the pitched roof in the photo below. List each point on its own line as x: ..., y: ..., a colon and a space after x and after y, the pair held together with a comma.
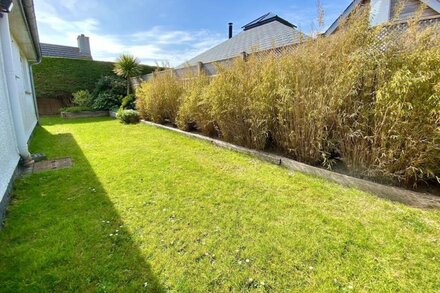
x: 268, y: 17
x: 266, y: 32
x: 23, y: 26
x: 52, y: 50
x: 344, y: 14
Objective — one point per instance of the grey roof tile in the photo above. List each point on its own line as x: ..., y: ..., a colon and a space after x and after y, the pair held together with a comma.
x: 52, y: 50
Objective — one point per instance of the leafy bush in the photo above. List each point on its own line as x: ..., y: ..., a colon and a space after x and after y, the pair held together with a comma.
x: 110, y: 84
x: 366, y: 98
x: 128, y: 116
x: 76, y: 109
x: 108, y: 92
x: 106, y: 101
x: 128, y: 102
x: 82, y: 98
x: 115, y: 109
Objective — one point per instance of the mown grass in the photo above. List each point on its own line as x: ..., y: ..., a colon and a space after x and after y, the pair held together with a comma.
x: 192, y: 217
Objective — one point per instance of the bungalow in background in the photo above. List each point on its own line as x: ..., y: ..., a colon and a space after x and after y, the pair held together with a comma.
x: 19, y: 49
x: 264, y: 33
x: 82, y: 51
x: 271, y: 32
x: 383, y: 11
x: 268, y: 32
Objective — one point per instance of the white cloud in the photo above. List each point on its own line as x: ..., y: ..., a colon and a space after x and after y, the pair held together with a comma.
x: 156, y: 45
x: 162, y: 36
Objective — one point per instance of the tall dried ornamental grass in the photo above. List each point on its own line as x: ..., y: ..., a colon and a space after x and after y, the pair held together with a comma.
x: 240, y: 110
x: 362, y: 97
x: 159, y: 99
x: 194, y: 111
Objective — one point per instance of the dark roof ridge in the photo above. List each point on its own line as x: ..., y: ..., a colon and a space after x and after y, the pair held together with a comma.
x: 59, y: 45
x: 266, y: 18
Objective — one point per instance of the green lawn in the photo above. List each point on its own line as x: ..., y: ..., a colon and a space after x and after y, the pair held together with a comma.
x: 148, y: 209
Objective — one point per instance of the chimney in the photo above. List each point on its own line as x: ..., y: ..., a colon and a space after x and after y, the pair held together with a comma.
x: 230, y: 30
x: 84, y: 45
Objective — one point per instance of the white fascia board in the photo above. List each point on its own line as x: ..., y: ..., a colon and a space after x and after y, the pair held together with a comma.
x: 380, y: 12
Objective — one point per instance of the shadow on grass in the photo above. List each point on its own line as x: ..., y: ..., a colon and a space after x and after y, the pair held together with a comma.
x: 62, y: 232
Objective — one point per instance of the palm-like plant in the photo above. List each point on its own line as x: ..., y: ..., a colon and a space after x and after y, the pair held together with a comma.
x: 127, y: 66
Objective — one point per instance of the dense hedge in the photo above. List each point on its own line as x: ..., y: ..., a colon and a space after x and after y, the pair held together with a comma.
x: 367, y: 101
x: 60, y: 77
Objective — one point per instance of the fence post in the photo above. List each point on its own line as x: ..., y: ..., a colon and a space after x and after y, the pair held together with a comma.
x: 244, y: 56
x: 199, y: 68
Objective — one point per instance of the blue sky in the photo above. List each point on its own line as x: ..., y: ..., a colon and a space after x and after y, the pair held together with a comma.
x: 170, y: 31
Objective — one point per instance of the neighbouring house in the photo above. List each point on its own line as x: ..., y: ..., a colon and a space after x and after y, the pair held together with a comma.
x: 51, y: 106
x: 19, y: 50
x: 81, y: 52
x: 268, y: 32
x: 384, y: 11
x: 264, y: 33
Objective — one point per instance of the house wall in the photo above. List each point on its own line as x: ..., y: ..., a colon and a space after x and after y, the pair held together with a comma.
x: 380, y: 11
x: 9, y: 155
x: 8, y: 151
x: 25, y: 89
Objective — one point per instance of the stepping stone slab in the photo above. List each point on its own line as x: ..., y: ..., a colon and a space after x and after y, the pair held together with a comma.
x: 52, y: 165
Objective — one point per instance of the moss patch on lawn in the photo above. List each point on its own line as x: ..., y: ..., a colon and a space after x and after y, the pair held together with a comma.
x: 147, y: 209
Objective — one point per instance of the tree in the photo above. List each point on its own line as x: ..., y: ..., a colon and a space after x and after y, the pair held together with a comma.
x: 127, y: 66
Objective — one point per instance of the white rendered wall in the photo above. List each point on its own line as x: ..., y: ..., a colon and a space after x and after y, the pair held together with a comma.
x: 380, y: 11
x: 9, y: 155
x: 25, y: 90
x: 8, y: 152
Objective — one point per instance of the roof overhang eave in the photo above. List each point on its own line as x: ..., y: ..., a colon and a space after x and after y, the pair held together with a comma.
x: 344, y: 14
x: 23, y: 18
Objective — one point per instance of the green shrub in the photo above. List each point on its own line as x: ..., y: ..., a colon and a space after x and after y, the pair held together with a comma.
x: 128, y: 116
x: 363, y: 98
x: 108, y: 92
x: 110, y: 84
x: 76, y: 109
x: 106, y: 101
x: 82, y: 98
x: 128, y: 102
x: 115, y: 109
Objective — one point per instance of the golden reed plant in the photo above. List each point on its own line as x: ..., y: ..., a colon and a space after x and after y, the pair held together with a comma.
x: 159, y: 99
x: 367, y: 98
